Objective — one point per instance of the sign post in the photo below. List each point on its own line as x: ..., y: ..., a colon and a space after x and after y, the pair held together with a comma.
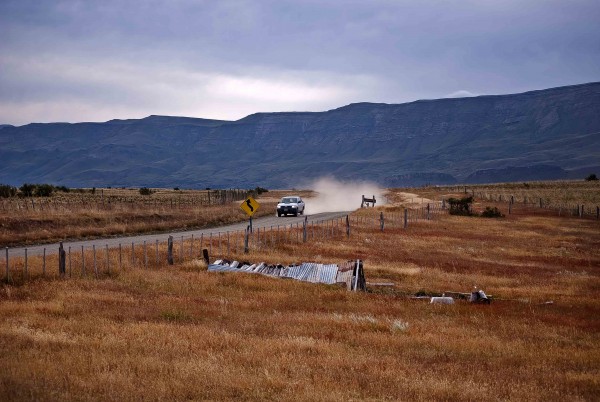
x: 250, y: 206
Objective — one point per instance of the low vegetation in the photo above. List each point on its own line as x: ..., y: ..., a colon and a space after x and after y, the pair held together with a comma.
x: 181, y: 333
x: 112, y: 212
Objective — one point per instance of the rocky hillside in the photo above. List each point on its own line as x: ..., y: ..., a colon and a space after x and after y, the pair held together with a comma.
x: 547, y: 134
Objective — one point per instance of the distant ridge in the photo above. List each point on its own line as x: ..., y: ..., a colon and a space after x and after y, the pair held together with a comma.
x: 543, y: 134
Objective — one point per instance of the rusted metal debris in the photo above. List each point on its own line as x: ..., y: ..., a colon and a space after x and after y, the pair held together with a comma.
x: 349, y: 274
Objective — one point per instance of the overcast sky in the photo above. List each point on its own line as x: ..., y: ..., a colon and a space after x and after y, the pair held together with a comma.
x: 98, y: 60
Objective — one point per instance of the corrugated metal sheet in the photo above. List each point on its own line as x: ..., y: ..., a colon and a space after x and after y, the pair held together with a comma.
x: 308, y: 271
x: 328, y: 274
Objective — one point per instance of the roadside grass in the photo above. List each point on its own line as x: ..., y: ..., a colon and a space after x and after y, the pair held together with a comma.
x: 84, y: 216
x: 554, y: 194
x: 179, y: 332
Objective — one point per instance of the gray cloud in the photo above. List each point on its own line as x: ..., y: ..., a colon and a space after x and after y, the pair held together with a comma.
x: 96, y: 60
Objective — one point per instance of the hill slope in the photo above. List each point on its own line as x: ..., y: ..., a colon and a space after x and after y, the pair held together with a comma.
x: 547, y: 134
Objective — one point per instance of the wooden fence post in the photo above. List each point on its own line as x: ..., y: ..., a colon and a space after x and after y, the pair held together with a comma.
x: 347, y: 226
x: 170, y: 250
x: 428, y: 211
x: 132, y: 254
x: 107, y: 260
x: 246, y: 242
x: 205, y: 255
x: 7, y: 267
x: 95, y: 266
x: 61, y: 260
x: 405, y: 218
x: 157, y: 252
x: 381, y: 221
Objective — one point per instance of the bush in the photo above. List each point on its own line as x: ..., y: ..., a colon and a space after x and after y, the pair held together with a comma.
x: 592, y: 177
x: 145, y: 191
x: 176, y: 188
x: 27, y: 189
x: 492, y: 213
x: 64, y: 189
x: 7, y: 191
x: 43, y: 190
x: 260, y: 190
x: 460, y: 206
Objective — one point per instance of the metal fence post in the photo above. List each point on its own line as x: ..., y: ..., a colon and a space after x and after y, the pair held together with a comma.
x: 246, y: 242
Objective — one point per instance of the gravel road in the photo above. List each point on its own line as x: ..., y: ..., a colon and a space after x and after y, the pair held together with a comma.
x: 264, y: 222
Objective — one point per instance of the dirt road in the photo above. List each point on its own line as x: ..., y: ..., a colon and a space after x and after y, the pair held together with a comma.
x: 264, y: 222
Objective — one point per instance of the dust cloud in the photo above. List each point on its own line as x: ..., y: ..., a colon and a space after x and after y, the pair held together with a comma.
x: 333, y: 195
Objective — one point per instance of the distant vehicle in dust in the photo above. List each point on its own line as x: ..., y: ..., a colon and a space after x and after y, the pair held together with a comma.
x: 290, y: 205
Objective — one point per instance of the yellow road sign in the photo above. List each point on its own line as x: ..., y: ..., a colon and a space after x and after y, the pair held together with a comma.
x: 250, y: 206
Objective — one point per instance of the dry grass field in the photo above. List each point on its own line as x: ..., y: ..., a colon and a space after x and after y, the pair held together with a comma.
x: 182, y: 333
x: 118, y: 212
x: 554, y: 194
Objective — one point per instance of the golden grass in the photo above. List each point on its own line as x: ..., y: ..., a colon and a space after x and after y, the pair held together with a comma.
x: 554, y: 194
x: 66, y: 217
x: 179, y: 333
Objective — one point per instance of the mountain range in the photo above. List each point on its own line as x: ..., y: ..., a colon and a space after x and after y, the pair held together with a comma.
x: 538, y: 135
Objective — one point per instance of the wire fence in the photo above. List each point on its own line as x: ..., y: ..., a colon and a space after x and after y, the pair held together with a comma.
x: 101, y: 259
x: 73, y: 202
x: 528, y: 204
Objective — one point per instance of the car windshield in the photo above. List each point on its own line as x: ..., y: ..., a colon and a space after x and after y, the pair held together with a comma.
x: 288, y: 200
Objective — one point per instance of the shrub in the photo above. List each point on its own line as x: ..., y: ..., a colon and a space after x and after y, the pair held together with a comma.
x: 27, y: 189
x: 145, y: 191
x: 176, y: 188
x: 460, y: 206
x: 492, y: 213
x: 260, y: 190
x: 43, y: 190
x: 64, y: 189
x: 592, y: 177
x: 7, y: 191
